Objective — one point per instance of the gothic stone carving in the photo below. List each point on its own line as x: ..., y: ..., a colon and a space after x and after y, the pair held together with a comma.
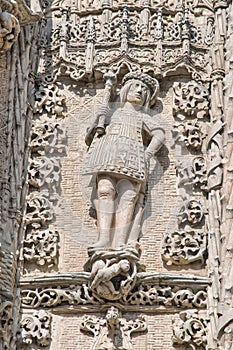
x: 113, y: 273
x: 145, y: 293
x: 124, y: 28
x: 113, y: 332
x: 117, y: 158
x: 6, y: 321
x: 191, y: 212
x: 39, y: 210
x: 191, y: 133
x: 9, y: 25
x: 47, y: 135
x: 191, y: 176
x: 36, y: 328
x: 41, y: 247
x: 190, y: 329
x: 44, y: 172
x: 49, y: 99
x: 184, y: 247
x: 190, y: 100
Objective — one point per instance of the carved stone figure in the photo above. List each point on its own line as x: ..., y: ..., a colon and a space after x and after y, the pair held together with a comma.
x: 113, y: 273
x: 9, y: 30
x: 119, y: 159
x: 113, y: 333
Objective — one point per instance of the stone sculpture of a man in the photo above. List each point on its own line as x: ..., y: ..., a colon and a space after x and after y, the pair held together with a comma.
x: 120, y: 158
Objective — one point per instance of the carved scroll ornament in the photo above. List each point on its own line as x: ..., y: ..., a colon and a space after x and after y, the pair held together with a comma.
x: 142, y: 295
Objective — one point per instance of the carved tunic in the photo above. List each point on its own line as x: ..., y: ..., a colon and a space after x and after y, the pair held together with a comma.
x: 121, y: 151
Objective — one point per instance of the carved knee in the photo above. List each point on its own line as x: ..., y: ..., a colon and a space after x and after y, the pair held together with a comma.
x: 106, y: 189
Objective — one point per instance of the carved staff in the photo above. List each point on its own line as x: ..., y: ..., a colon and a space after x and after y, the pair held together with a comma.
x: 99, y: 124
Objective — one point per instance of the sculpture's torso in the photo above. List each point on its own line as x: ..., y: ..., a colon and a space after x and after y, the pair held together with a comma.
x: 120, y: 151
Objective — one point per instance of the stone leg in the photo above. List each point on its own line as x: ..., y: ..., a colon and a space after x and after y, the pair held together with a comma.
x: 105, y: 210
x: 127, y: 198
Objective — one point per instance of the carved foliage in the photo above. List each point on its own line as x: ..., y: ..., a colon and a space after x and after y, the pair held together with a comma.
x: 49, y: 99
x: 191, y: 212
x: 191, y: 112
x: 184, y: 247
x: 144, y: 294
x: 190, y: 100
x: 39, y: 210
x: 36, y: 328
x: 167, y: 296
x: 42, y: 247
x: 113, y: 332
x: 44, y: 171
x: 47, y: 135
x: 189, y: 329
x: 47, y: 145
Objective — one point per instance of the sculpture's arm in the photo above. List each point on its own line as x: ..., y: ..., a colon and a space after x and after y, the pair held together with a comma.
x: 157, y: 140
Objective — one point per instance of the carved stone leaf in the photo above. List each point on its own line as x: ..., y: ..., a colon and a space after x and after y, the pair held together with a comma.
x: 42, y: 247
x: 36, y: 328
x: 189, y: 329
x: 184, y: 247
x: 39, y: 210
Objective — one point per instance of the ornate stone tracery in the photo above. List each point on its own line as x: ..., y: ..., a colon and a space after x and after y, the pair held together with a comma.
x: 36, y: 329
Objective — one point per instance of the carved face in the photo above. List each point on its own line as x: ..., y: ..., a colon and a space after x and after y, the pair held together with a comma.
x: 137, y: 93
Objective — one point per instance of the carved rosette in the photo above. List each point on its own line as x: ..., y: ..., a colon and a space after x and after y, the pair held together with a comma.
x: 190, y: 329
x: 36, y: 328
x: 184, y: 247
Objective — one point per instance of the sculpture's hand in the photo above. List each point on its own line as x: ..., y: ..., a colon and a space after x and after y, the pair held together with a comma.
x: 148, y: 156
x: 90, y: 134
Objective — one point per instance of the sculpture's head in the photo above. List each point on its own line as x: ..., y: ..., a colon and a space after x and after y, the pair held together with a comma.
x: 139, y: 89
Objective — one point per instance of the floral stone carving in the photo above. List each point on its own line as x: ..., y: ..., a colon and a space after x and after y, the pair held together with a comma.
x: 184, y: 247
x: 189, y: 329
x: 113, y: 273
x: 159, y: 295
x: 36, y: 328
x: 191, y: 133
x: 190, y: 100
x: 42, y: 247
x: 113, y: 332
x: 191, y: 212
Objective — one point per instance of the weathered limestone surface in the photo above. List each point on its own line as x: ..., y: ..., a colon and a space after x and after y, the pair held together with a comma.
x: 95, y: 252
